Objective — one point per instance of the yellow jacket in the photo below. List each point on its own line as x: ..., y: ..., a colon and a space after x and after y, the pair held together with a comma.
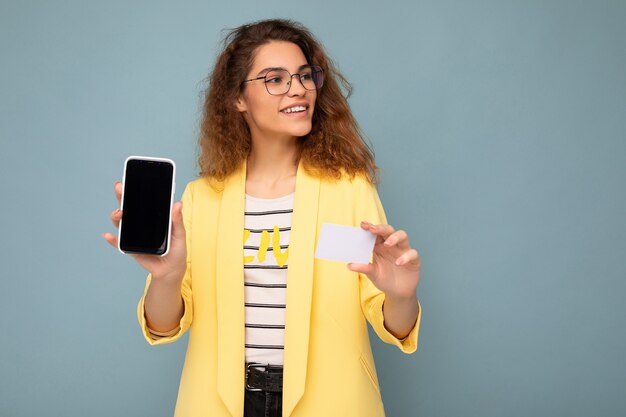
x: 328, y: 364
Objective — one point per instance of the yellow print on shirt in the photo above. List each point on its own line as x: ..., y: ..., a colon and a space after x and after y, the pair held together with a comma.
x: 281, y: 257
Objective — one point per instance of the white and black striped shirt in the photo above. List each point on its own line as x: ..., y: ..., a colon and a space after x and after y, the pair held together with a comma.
x: 267, y: 226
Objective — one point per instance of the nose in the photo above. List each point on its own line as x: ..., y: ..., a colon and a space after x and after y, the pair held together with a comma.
x: 296, y: 88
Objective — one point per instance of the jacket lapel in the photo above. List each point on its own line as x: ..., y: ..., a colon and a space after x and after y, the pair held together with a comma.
x: 299, y: 287
x: 230, y: 294
x: 230, y: 291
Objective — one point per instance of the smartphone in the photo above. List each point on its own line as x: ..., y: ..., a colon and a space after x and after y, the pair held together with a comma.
x: 147, y: 198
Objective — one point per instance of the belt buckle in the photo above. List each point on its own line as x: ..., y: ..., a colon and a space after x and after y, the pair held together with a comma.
x: 253, y: 365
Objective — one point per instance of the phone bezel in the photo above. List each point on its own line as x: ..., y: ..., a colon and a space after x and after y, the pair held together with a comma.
x: 169, y: 227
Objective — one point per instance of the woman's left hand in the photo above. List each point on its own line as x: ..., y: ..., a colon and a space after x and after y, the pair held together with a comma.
x: 396, y: 266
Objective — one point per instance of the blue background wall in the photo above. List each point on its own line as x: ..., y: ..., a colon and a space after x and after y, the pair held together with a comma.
x: 500, y: 128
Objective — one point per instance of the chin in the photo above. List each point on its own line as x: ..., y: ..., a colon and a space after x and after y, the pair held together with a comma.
x: 300, y: 130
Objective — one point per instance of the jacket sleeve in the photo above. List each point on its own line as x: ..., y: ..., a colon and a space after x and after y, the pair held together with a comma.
x: 185, y: 321
x: 369, y: 208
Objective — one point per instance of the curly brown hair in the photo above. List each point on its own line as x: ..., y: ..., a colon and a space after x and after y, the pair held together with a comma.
x: 335, y: 143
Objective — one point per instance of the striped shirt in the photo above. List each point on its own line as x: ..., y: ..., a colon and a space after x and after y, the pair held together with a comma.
x: 267, y: 226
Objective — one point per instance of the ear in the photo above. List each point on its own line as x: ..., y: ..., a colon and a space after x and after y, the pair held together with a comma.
x: 240, y: 104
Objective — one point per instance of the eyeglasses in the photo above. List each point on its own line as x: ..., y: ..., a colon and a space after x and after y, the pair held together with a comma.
x: 278, y: 81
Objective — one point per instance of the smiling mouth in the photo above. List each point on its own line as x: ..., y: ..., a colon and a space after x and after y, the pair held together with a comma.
x: 294, y: 109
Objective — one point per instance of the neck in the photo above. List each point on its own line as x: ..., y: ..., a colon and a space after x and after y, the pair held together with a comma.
x: 271, y: 161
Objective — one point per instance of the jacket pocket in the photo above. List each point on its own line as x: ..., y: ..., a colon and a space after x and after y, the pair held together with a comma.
x: 370, y: 373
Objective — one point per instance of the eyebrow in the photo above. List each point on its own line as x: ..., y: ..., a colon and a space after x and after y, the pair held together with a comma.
x: 266, y: 70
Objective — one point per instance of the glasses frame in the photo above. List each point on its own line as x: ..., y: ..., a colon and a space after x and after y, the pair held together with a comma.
x: 314, y: 69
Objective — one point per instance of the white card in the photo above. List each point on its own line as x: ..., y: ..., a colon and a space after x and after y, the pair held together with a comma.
x: 345, y: 243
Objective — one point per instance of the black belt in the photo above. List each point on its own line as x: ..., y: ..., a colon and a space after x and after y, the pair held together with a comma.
x: 260, y: 377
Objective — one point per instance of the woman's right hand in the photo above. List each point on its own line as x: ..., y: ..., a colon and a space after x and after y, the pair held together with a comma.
x: 169, y: 268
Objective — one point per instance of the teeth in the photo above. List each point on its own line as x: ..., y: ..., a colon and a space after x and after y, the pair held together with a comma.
x: 294, y: 109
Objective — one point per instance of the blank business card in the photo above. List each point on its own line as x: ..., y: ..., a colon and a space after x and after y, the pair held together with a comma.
x: 345, y: 243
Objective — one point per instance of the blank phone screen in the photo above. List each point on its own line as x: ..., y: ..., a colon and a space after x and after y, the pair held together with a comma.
x: 146, y: 206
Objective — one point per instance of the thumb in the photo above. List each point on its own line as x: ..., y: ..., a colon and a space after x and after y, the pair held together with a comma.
x: 367, y: 269
x: 178, y: 227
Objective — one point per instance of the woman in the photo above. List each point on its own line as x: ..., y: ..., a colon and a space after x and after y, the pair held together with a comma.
x: 278, y: 331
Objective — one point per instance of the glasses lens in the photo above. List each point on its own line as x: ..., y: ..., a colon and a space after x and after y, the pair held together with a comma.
x: 277, y: 81
x: 317, y: 74
x: 312, y: 78
x: 306, y: 78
